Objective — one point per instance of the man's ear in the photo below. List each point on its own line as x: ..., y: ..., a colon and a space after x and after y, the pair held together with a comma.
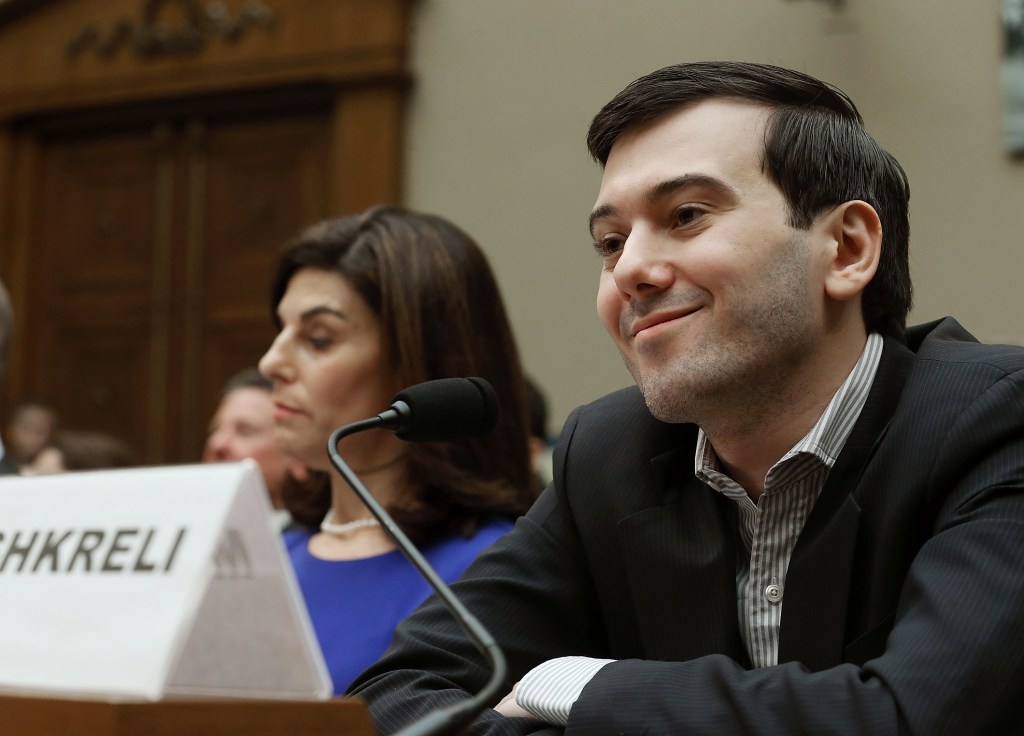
x: 857, y: 232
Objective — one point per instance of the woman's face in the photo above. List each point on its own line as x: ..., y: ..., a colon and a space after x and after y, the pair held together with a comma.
x: 328, y: 368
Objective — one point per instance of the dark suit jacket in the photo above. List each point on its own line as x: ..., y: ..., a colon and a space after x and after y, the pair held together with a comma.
x: 904, y: 599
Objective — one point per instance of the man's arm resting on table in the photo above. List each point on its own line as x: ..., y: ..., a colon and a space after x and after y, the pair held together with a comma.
x: 549, y: 690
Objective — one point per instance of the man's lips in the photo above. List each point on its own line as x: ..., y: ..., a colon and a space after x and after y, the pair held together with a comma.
x: 653, y: 320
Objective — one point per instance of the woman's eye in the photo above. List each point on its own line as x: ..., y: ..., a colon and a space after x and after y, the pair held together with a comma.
x: 320, y: 343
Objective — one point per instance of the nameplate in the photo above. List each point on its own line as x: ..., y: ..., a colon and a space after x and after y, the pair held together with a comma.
x: 151, y: 583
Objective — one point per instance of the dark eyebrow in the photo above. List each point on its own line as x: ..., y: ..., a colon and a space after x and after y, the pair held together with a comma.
x: 314, y: 312
x: 600, y: 213
x: 664, y: 189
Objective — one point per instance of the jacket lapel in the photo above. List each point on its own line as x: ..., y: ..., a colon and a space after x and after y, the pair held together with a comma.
x: 681, y: 563
x: 818, y: 580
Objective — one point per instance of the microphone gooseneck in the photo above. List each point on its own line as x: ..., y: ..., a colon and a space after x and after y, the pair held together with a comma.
x: 436, y: 411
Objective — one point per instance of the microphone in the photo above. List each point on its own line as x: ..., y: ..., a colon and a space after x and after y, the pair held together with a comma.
x: 443, y: 410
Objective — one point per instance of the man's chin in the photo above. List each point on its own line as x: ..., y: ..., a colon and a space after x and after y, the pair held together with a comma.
x: 664, y: 403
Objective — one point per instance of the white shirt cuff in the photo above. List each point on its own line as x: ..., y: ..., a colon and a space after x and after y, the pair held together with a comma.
x: 551, y: 688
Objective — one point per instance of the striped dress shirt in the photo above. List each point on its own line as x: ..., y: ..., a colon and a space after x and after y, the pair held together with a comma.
x: 769, y: 530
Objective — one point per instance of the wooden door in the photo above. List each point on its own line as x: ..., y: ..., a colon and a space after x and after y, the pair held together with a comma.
x: 153, y: 245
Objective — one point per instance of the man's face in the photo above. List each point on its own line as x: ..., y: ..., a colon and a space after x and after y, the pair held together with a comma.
x: 29, y: 432
x: 243, y: 427
x: 706, y: 290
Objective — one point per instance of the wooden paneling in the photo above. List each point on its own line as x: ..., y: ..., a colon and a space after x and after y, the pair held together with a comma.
x: 344, y: 41
x: 144, y: 194
x: 262, y: 181
x: 91, y: 289
x: 153, y: 278
x: 367, y: 144
x: 265, y: 179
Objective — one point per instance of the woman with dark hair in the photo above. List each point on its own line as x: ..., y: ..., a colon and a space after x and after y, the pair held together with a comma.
x: 367, y: 305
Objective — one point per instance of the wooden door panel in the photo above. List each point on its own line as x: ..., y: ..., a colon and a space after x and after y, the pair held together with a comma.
x: 263, y: 181
x: 94, y: 279
x: 153, y: 251
x: 98, y: 212
x: 101, y: 379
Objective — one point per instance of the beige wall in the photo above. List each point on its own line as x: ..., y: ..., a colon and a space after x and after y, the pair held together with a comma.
x: 505, y: 90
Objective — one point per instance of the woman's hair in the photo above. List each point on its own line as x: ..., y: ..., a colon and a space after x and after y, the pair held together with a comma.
x: 441, y: 316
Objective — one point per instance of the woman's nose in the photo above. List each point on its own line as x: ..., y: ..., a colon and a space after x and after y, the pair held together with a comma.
x: 272, y: 364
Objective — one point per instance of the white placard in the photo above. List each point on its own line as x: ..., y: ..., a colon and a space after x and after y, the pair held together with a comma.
x: 151, y: 583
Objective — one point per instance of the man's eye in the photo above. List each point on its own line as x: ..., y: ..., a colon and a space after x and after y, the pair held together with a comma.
x: 609, y: 245
x: 687, y: 214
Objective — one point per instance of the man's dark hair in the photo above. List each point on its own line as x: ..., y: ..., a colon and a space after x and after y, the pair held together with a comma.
x: 816, y: 151
x: 247, y: 378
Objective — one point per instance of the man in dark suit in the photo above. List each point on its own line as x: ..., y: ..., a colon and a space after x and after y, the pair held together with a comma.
x: 6, y: 333
x: 806, y: 518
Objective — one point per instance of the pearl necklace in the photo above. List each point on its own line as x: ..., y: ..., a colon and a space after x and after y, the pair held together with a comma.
x: 342, y: 530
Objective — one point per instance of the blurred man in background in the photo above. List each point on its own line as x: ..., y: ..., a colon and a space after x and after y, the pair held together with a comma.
x: 243, y: 427
x: 32, y: 427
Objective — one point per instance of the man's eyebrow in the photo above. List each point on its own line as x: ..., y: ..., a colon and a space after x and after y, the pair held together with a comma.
x: 665, y: 188
x: 702, y: 181
x: 600, y: 213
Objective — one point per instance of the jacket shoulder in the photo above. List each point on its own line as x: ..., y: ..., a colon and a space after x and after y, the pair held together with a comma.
x: 947, y: 341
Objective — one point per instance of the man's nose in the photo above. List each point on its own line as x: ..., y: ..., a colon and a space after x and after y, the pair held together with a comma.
x: 217, y: 447
x: 643, y: 265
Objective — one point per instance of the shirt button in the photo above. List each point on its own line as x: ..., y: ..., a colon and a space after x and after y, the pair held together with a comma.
x: 773, y: 593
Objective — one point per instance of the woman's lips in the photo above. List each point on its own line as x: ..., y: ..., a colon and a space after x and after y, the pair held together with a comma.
x: 284, y: 411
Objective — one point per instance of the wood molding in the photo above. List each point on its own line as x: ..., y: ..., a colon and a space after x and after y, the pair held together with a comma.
x: 339, y: 42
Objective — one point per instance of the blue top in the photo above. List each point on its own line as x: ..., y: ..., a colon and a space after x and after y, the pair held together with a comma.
x: 355, y: 604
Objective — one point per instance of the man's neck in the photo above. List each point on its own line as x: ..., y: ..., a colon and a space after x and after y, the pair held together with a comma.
x: 749, y: 442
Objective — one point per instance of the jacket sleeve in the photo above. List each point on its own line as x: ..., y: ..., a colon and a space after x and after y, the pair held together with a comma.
x: 530, y: 590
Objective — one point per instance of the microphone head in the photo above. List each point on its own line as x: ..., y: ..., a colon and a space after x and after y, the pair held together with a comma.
x: 448, y: 409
